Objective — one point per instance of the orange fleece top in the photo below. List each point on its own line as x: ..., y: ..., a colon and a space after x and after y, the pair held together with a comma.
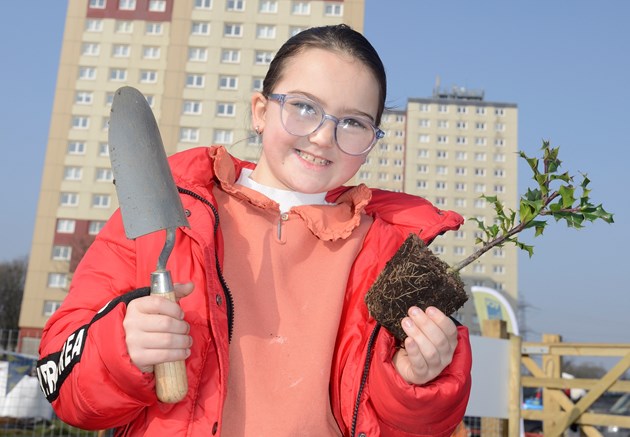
x: 288, y: 275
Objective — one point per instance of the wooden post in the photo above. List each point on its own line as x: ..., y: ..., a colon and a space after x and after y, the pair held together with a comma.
x: 552, y: 366
x: 491, y: 426
x: 514, y: 422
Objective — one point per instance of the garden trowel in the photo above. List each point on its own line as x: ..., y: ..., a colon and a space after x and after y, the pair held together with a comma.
x: 149, y: 202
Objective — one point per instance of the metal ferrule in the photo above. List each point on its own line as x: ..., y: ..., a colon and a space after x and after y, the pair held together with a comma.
x: 161, y: 282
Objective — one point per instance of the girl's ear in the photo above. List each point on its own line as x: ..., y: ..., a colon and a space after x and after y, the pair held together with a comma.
x: 259, y: 111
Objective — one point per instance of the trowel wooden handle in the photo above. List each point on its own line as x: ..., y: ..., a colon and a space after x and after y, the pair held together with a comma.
x: 171, y: 383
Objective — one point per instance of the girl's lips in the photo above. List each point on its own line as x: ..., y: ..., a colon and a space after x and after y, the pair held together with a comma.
x: 312, y: 159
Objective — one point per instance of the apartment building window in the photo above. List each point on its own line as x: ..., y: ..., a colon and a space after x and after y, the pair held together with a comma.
x: 101, y: 201
x: 440, y: 201
x: 480, y: 188
x: 117, y: 74
x: 459, y: 250
x: 499, y: 157
x: 459, y: 235
x: 233, y: 30
x: 76, y: 148
x: 66, y: 226
x: 87, y: 73
x: 61, y: 253
x: 50, y: 306
x: 441, y: 154
x: 257, y: 83
x: 203, y: 4
x: 498, y: 269
x: 480, y: 125
x: 423, y: 122
x: 461, y: 156
x: 398, y: 162
x: 103, y: 149
x: 195, y: 80
x: 461, y: 125
x: 235, y: 5
x: 480, y: 141
x: 460, y: 186
x: 188, y: 134
x: 438, y: 249
x: 480, y: 156
x: 499, y: 188
x: 499, y: 127
x: 499, y: 111
x: 223, y: 136
x: 124, y: 26
x: 422, y: 169
x: 382, y: 176
x: 72, y: 173
x: 95, y: 226
x: 479, y: 268
x: 441, y: 185
x: 104, y: 175
x: 424, y: 107
x: 461, y: 140
x: 197, y: 54
x: 230, y: 56
x: 480, y: 171
x: 92, y: 25
x: 294, y: 30
x: 151, y: 52
x: 423, y: 153
x: 80, y: 122
x: 399, y: 148
x: 148, y: 76
x: 481, y: 111
x: 462, y: 110
x: 68, y: 199
x: 333, y: 9
x: 121, y: 50
x: 460, y: 171
x: 225, y: 109
x: 300, y: 8
x: 200, y: 28
x: 90, y: 49
x: 228, y: 82
x: 263, y: 57
x: 498, y: 252
x: 383, y: 161
x: 421, y: 185
x: 154, y: 29
x: 460, y: 202
x: 442, y: 139
x: 424, y: 138
x: 157, y: 5
x: 499, y: 142
x: 265, y: 31
x: 480, y: 203
x: 83, y: 98
x: 397, y: 177
x: 127, y: 5
x: 97, y: 4
x: 441, y: 169
x: 499, y: 173
x: 268, y: 6
x: 192, y: 107
x: 57, y: 280
x: 443, y: 109
x: 442, y: 124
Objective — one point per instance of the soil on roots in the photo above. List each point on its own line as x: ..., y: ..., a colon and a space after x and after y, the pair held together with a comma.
x: 413, y: 276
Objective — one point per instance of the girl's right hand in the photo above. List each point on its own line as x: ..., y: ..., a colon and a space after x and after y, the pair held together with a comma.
x: 155, y: 330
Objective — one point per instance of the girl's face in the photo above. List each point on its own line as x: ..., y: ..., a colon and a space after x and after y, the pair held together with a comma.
x: 344, y: 87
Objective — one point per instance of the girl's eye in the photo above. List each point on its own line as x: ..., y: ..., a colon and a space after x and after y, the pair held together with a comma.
x: 354, y: 123
x: 304, y: 108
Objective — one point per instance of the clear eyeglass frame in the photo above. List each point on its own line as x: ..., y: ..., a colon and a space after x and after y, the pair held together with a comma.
x: 282, y: 99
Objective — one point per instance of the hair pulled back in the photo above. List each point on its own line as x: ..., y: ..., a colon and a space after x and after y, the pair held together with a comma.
x: 340, y: 38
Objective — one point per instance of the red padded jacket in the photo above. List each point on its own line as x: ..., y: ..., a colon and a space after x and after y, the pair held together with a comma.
x: 86, y: 373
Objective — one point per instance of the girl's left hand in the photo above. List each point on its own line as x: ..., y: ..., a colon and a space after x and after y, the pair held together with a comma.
x: 429, y: 347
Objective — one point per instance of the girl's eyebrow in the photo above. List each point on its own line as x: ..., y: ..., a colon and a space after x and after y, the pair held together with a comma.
x: 316, y: 100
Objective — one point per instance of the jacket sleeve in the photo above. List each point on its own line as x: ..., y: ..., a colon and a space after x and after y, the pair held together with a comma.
x: 85, y: 370
x: 432, y: 409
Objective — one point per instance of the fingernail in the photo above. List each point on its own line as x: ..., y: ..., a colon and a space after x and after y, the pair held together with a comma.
x: 431, y: 311
x: 407, y: 322
x: 414, y: 311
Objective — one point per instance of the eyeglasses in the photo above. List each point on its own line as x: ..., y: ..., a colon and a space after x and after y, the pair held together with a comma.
x: 301, y: 117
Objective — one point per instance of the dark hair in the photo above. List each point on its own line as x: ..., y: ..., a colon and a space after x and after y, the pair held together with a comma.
x: 341, y: 38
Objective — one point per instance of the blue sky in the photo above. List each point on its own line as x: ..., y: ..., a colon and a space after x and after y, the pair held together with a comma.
x: 564, y: 63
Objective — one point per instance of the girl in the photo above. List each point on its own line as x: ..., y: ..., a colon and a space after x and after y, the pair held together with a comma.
x: 273, y: 271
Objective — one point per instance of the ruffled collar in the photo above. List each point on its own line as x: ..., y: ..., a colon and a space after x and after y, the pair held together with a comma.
x: 328, y: 221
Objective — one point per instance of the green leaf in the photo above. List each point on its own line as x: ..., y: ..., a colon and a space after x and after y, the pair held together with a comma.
x: 566, y: 192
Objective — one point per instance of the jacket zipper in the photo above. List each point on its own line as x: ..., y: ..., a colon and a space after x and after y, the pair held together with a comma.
x: 229, y: 302
x: 364, y: 377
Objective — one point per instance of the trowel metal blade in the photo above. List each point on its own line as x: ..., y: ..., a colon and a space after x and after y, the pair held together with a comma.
x: 147, y: 195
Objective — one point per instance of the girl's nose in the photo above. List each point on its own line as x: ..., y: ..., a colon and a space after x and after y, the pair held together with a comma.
x: 325, y: 135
